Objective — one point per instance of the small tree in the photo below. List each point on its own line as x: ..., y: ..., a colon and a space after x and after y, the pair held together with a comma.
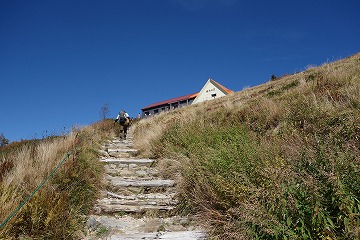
x: 104, y: 111
x: 273, y: 77
x: 3, y: 140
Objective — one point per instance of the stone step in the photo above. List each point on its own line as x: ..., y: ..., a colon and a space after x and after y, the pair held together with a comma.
x: 127, y: 140
x: 117, y: 146
x: 131, y: 171
x: 179, y: 235
x: 137, y: 161
x: 139, y: 199
x: 130, y: 191
x: 115, y: 208
x: 137, y: 202
x: 130, y: 166
x: 122, y: 182
x: 126, y: 224
x: 150, y: 196
x: 119, y: 142
x: 121, y: 150
x: 121, y: 154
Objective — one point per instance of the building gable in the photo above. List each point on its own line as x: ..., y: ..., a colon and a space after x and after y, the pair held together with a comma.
x: 211, y: 90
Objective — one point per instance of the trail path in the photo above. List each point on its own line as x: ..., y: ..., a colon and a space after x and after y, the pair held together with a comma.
x: 136, y: 203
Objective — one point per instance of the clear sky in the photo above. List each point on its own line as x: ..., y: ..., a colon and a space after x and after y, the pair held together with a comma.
x: 62, y: 60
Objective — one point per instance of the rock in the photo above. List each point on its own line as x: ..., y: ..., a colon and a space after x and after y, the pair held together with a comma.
x: 141, y: 173
x: 92, y: 224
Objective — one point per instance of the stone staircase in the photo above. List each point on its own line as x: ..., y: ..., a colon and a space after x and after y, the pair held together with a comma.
x: 136, y: 202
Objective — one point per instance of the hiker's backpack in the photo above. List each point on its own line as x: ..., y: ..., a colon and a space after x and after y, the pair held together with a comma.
x: 122, y: 118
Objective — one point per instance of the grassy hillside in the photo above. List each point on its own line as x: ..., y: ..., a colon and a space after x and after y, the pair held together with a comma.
x: 58, y: 209
x: 275, y: 161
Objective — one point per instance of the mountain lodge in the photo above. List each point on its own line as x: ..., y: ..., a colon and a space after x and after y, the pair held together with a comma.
x: 211, y: 90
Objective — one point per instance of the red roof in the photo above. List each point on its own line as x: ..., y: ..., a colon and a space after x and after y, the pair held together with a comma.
x: 228, y: 91
x: 178, y: 99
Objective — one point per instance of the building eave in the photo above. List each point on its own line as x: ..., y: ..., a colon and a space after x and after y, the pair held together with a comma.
x: 169, y: 101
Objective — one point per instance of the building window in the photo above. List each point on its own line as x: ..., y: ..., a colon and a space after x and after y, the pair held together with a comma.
x: 156, y: 111
x: 213, y: 95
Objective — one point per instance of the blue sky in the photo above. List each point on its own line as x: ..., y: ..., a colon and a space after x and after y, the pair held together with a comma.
x: 61, y: 61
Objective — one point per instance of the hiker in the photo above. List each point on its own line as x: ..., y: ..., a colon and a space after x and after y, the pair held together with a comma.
x: 124, y: 120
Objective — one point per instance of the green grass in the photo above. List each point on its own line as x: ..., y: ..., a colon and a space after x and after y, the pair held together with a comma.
x: 285, y: 167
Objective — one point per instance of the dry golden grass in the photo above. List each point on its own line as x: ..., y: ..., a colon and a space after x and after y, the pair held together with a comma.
x: 279, y: 160
x: 32, y: 164
x: 56, y: 210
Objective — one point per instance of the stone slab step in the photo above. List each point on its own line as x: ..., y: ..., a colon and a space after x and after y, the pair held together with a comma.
x: 137, y: 202
x: 141, y: 196
x: 127, y: 224
x: 127, y: 140
x: 140, y: 161
x: 121, y: 150
x: 117, y: 144
x: 115, y: 208
x: 121, y: 182
x: 131, y: 172
x: 180, y: 235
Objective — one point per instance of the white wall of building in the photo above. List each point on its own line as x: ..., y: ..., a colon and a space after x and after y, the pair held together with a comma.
x: 208, y: 92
